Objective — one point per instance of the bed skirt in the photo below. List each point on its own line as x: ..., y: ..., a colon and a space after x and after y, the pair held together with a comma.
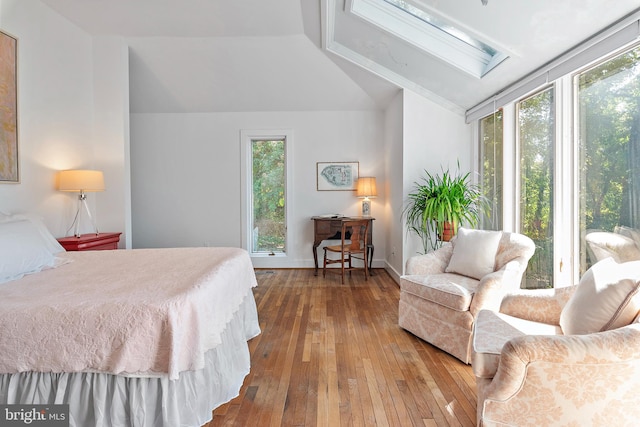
x: 105, y: 400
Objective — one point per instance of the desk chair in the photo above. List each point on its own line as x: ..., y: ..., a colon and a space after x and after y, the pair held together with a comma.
x: 355, y: 244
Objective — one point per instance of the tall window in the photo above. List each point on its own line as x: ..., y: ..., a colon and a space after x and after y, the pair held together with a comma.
x: 268, y: 198
x: 536, y: 136
x: 609, y: 146
x: 265, y: 202
x: 491, y: 169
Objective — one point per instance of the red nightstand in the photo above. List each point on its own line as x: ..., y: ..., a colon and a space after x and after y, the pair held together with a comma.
x: 91, y: 242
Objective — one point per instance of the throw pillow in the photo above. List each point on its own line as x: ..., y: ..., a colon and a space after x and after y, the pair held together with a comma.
x: 50, y: 242
x: 22, y: 250
x: 474, y: 252
x: 606, y: 298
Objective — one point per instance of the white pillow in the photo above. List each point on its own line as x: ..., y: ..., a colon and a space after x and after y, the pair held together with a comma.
x: 606, y: 298
x: 22, y: 250
x: 50, y: 242
x: 474, y: 252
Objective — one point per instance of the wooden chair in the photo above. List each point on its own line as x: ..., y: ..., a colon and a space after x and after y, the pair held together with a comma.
x: 356, y: 244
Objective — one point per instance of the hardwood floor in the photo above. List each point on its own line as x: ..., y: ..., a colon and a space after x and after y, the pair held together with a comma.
x: 333, y: 355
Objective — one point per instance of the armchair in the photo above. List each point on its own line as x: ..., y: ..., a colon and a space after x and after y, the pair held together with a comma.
x: 604, y: 244
x: 530, y: 371
x: 440, y: 296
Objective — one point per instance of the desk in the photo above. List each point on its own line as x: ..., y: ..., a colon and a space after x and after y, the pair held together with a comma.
x: 330, y: 228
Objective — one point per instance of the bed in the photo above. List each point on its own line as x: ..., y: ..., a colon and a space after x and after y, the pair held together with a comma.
x: 144, y: 337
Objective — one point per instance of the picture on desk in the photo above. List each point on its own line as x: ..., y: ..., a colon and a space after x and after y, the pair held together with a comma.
x: 337, y: 176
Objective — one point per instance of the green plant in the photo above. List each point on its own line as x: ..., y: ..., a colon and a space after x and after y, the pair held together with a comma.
x: 440, y: 199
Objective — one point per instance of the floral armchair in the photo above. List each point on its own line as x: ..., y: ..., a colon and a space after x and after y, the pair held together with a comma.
x: 621, y: 245
x: 530, y: 373
x: 444, y: 290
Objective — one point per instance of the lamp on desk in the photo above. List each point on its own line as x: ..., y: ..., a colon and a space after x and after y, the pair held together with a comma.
x: 366, y: 188
x: 82, y: 181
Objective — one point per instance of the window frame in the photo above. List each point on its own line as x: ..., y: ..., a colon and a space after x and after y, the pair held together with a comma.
x: 247, y: 137
x: 496, y: 221
x: 556, y: 167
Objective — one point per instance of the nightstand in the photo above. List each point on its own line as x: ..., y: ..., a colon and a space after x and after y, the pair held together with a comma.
x: 91, y: 242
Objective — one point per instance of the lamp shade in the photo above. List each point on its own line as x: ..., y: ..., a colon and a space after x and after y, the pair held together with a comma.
x: 80, y: 180
x: 366, y: 187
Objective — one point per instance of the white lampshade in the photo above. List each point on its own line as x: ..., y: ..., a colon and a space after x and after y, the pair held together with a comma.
x: 366, y: 187
x: 81, y: 180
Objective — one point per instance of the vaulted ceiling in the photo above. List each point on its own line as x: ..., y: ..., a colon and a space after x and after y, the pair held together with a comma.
x: 257, y: 55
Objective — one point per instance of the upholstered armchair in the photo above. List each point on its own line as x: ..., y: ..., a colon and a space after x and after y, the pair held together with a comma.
x: 603, y: 244
x: 443, y: 291
x: 562, y: 357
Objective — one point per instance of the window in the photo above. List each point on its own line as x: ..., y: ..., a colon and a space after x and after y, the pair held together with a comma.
x: 268, y: 196
x: 536, y: 136
x: 412, y: 22
x: 264, y: 196
x: 608, y: 100
x: 576, y: 147
x: 571, y: 151
x: 491, y: 169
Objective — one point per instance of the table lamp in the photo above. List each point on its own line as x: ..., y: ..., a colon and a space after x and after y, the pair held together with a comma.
x: 366, y: 188
x: 82, y: 181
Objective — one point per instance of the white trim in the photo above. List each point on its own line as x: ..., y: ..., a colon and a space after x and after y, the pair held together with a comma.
x: 563, y: 237
x: 575, y: 177
x: 510, y: 169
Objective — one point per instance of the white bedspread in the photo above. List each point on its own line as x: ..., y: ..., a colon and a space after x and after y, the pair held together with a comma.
x: 138, y: 312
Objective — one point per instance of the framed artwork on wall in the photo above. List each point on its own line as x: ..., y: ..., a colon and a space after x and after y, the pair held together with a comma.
x: 8, y: 109
x: 337, y: 176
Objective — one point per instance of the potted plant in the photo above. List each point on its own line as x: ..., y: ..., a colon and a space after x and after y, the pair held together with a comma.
x: 439, y: 204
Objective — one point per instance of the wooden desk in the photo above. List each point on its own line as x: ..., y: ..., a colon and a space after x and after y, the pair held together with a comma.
x: 330, y: 228
x: 91, y: 242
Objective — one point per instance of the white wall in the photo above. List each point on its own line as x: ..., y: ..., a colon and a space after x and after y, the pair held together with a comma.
x: 185, y: 171
x: 55, y: 110
x: 394, y: 186
x: 111, y: 134
x: 73, y: 113
x: 434, y: 139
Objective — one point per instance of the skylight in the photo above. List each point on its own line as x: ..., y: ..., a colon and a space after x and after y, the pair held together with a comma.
x: 433, y: 35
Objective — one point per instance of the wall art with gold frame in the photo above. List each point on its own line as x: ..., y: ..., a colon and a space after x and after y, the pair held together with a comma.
x: 9, y: 163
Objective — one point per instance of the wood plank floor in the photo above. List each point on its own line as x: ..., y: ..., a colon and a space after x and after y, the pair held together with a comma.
x: 333, y: 355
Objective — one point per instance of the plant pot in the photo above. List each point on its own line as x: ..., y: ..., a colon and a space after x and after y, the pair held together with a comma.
x: 448, y: 231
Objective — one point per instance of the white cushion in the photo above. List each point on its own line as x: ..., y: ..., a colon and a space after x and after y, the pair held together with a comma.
x: 474, y: 253
x: 606, y: 298
x: 22, y: 250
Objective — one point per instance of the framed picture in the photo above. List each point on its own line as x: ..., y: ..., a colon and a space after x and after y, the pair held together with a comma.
x: 8, y: 109
x: 337, y: 176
